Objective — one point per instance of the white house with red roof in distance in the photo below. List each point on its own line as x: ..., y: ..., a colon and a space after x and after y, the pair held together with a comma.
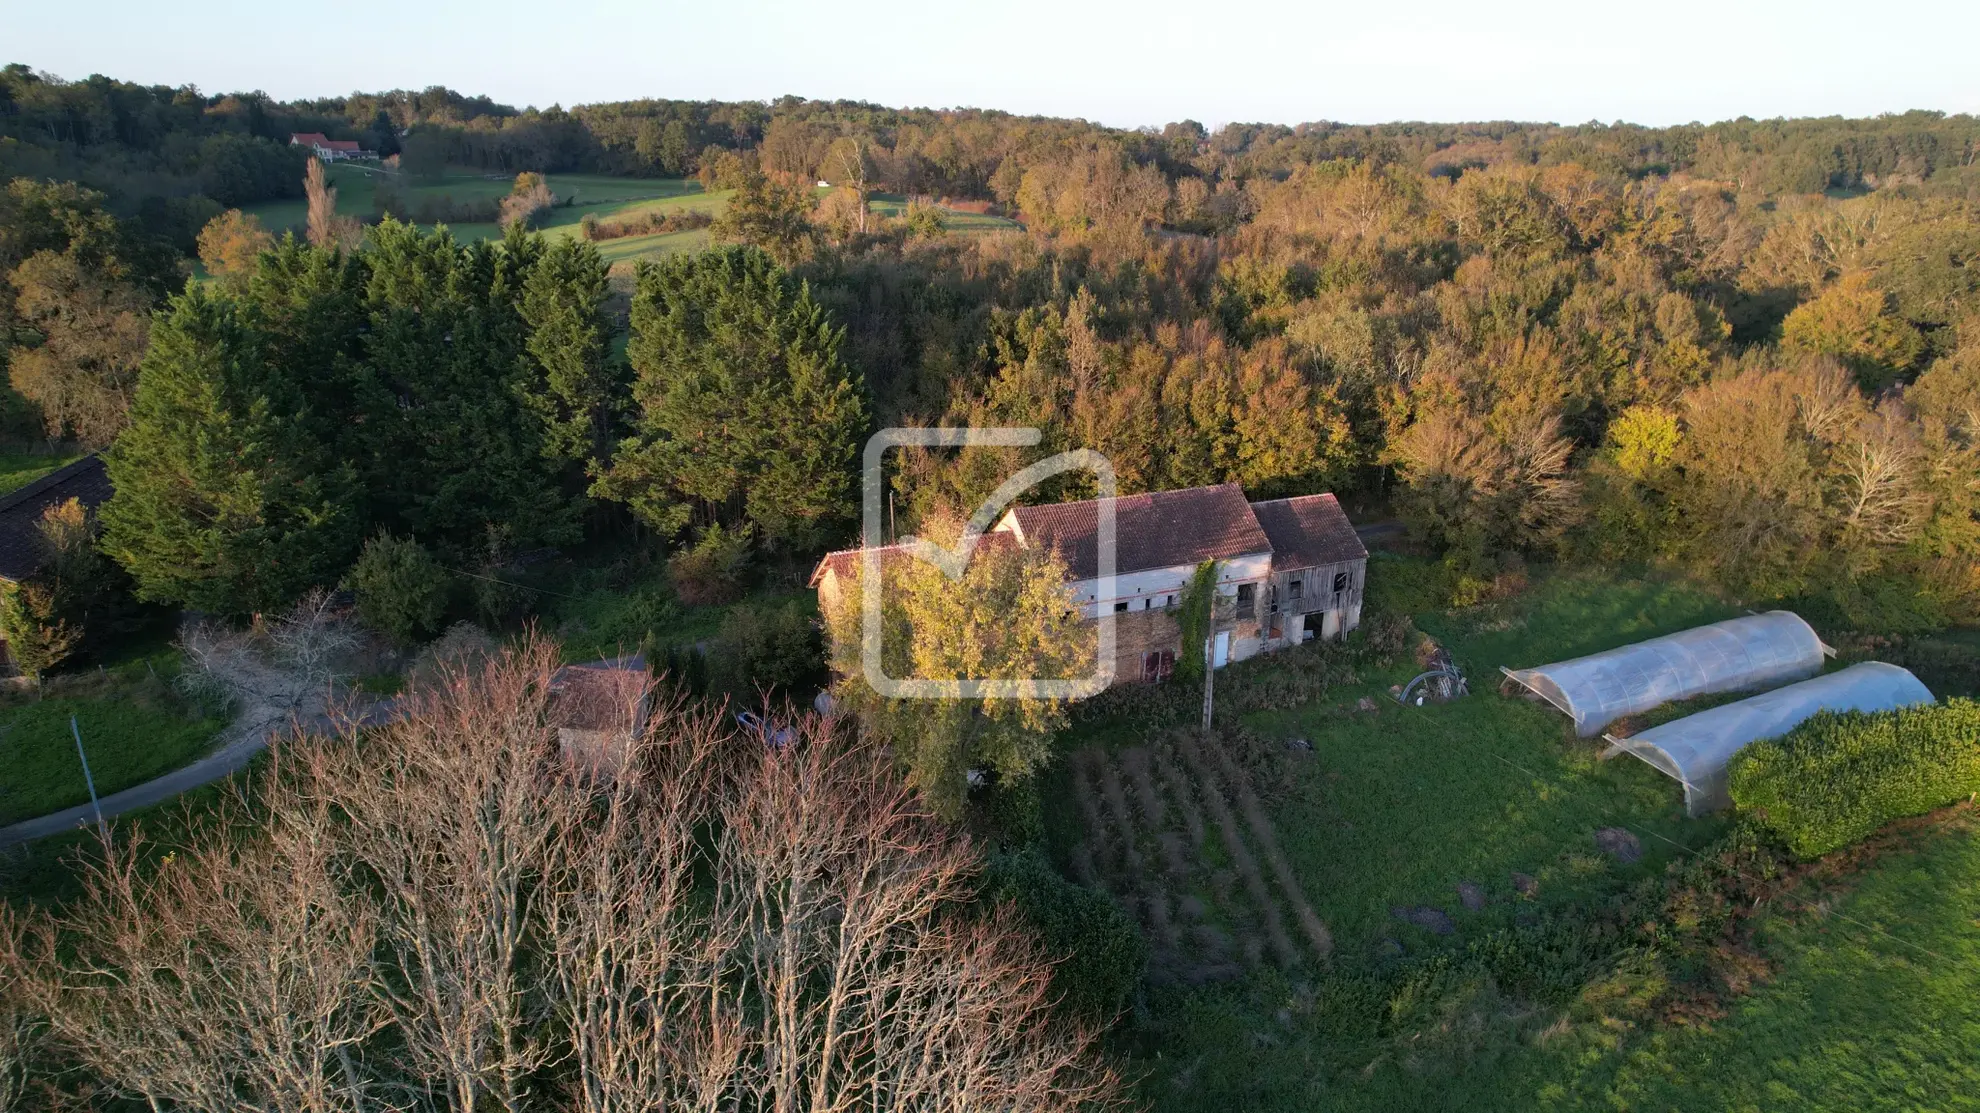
x: 1289, y: 570
x: 329, y: 150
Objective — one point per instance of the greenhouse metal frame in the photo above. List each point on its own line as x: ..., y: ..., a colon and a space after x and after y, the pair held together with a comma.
x: 1753, y: 651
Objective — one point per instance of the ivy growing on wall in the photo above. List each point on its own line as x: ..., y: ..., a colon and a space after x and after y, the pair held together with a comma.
x: 1199, y: 597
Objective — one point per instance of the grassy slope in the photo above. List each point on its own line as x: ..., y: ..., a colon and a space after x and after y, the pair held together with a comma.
x: 17, y: 470
x: 1397, y: 807
x: 893, y: 204
x: 50, y: 871
x: 602, y: 607
x: 132, y: 725
x: 1876, y: 1007
x: 603, y: 197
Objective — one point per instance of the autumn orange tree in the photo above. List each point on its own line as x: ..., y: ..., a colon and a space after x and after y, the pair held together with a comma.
x: 231, y: 244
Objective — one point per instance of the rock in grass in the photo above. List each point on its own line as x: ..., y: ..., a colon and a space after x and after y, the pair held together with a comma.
x: 1472, y: 895
x: 1620, y: 844
x: 1525, y: 884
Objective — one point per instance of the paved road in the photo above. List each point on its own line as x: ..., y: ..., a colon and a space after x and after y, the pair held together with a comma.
x: 230, y: 759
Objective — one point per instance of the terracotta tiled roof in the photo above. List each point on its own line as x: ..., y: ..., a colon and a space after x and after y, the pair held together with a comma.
x: 340, y: 145
x: 309, y: 138
x: 601, y: 695
x: 1160, y: 529
x: 1168, y: 529
x: 845, y: 562
x: 1308, y: 531
x: 20, y: 511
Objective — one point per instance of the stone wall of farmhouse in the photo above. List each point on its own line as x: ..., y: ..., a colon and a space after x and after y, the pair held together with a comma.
x: 1137, y: 633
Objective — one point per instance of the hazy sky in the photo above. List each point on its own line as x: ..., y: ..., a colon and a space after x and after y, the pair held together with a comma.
x: 1120, y: 62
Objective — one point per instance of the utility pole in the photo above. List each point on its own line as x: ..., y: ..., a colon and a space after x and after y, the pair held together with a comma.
x: 91, y: 781
x: 1208, y: 673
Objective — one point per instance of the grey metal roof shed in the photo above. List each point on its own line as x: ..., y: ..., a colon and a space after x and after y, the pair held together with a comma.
x: 1754, y: 651
x: 1696, y: 749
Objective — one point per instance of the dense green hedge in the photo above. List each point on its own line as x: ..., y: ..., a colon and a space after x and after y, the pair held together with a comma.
x: 1837, y: 778
x: 1100, y: 951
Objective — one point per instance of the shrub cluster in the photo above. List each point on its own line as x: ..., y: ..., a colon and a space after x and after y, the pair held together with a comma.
x: 1838, y: 778
x: 1289, y: 678
x: 445, y: 208
x: 764, y: 646
x: 401, y: 590
x: 711, y: 570
x: 1103, y: 953
x: 649, y: 223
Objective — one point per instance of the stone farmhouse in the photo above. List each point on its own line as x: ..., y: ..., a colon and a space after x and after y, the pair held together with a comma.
x: 1289, y: 570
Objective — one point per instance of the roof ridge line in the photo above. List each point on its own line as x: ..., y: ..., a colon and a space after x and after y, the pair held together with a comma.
x: 60, y: 475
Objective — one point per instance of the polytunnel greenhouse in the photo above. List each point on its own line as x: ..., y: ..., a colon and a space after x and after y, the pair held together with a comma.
x: 1755, y: 651
x: 1696, y: 748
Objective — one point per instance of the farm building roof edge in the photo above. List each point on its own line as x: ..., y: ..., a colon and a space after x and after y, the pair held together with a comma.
x: 20, y: 511
x: 1163, y: 529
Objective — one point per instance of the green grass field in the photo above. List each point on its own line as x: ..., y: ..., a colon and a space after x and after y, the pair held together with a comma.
x: 606, y: 198
x: 133, y: 727
x: 1395, y: 809
x: 17, y: 470
x: 894, y: 204
x: 611, y: 601
x: 1874, y: 1004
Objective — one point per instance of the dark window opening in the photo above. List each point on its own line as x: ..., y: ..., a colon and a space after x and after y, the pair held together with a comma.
x: 1247, y: 594
x: 1340, y: 581
x: 1119, y: 607
x: 1157, y: 665
x: 1292, y: 589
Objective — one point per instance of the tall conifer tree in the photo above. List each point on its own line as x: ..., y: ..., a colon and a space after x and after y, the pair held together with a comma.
x: 744, y: 408
x: 226, y: 501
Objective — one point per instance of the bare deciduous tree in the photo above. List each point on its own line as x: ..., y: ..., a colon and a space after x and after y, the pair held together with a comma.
x: 1883, y: 501
x: 327, y: 227
x: 867, y: 993
x: 282, y: 667
x: 446, y: 913
x: 18, y: 1030
x: 237, y: 976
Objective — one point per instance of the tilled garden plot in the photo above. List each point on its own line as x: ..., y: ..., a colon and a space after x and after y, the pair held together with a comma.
x: 1176, y: 831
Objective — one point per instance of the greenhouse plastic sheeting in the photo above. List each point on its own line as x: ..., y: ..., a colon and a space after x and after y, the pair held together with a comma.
x: 1756, y: 651
x: 1696, y: 748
